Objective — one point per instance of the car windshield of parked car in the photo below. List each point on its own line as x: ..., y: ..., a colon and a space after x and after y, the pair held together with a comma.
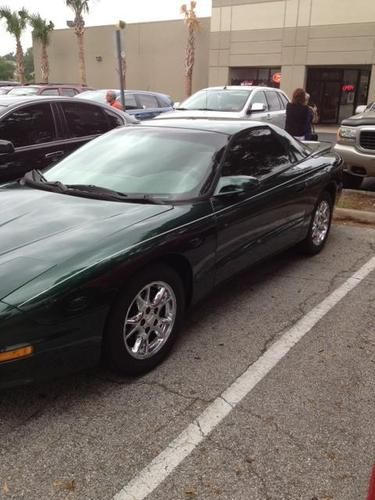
x: 217, y: 100
x: 164, y: 163
x: 23, y: 91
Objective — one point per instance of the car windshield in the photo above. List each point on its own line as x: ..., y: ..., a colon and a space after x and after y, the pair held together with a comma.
x: 217, y: 100
x: 165, y: 163
x: 24, y: 91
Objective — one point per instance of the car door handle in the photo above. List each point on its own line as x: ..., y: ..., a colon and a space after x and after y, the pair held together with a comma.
x: 54, y: 155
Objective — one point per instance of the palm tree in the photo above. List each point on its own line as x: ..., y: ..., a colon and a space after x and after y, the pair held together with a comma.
x: 16, y: 24
x: 41, y: 33
x: 79, y: 8
x: 192, y: 24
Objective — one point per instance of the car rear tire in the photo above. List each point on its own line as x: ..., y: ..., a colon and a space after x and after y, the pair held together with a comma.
x: 319, y: 226
x: 352, y: 181
x: 144, y: 322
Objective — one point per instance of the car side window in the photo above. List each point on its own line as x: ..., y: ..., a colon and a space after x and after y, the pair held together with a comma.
x: 84, y: 119
x: 68, y: 92
x: 50, y: 92
x: 258, y: 152
x: 114, y: 120
x: 148, y: 101
x: 273, y: 101
x: 260, y: 98
x: 130, y: 102
x: 29, y: 125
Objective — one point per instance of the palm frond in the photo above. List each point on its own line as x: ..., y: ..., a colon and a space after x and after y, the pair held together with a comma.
x: 16, y: 21
x: 41, y: 28
x: 79, y: 7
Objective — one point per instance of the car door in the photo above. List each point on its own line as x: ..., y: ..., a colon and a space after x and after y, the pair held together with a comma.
x: 33, y: 131
x: 82, y: 122
x: 148, y: 106
x: 276, y: 110
x: 265, y: 217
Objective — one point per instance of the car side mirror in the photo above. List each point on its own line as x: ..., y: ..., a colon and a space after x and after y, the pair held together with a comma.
x: 257, y: 107
x: 6, y: 147
x: 360, y: 109
x: 176, y: 105
x: 232, y: 185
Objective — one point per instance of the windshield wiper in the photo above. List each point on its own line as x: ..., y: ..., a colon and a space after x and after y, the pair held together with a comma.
x: 35, y: 178
x: 109, y: 194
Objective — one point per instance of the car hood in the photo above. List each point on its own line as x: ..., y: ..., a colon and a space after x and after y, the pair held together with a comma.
x: 40, y: 230
x: 366, y: 118
x: 192, y: 113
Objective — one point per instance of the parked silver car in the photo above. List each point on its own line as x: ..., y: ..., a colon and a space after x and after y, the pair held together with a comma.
x: 235, y: 102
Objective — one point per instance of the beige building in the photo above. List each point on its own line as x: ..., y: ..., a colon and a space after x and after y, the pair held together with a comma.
x: 154, y: 53
x: 326, y: 46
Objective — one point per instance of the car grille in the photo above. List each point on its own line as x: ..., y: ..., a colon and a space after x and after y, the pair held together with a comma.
x: 367, y: 139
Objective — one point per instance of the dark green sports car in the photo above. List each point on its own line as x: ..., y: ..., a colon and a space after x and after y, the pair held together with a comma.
x: 101, y: 255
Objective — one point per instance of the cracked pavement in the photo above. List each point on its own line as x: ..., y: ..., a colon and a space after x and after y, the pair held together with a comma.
x: 304, y: 432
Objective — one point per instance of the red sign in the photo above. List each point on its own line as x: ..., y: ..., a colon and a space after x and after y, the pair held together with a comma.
x: 276, y: 77
x: 348, y: 88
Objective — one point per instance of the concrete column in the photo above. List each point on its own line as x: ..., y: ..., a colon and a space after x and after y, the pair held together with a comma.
x: 292, y: 77
x: 218, y: 76
x: 371, y: 90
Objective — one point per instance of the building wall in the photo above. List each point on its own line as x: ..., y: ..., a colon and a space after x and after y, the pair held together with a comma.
x: 292, y: 34
x: 154, y: 51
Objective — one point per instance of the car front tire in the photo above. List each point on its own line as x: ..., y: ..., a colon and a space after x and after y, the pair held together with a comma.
x: 319, y: 226
x: 144, y: 322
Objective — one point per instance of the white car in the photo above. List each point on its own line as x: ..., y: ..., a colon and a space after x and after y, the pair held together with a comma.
x: 234, y: 102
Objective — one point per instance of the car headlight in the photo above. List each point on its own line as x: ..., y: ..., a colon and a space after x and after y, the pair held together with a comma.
x: 347, y: 133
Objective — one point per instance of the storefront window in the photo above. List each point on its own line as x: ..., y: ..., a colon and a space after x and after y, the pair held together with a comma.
x: 337, y: 91
x: 267, y: 77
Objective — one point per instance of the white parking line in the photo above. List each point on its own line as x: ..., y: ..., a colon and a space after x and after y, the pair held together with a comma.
x: 159, y: 469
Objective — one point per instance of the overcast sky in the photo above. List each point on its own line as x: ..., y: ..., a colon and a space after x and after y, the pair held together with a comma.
x: 101, y: 12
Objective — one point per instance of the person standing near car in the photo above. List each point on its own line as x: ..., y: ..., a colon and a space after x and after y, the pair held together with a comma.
x: 298, y: 116
x: 112, y: 101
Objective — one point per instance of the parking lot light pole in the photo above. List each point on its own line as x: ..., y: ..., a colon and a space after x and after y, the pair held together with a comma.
x: 119, y: 27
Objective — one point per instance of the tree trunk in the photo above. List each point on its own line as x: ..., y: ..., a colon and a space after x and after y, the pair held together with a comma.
x: 81, y: 56
x: 20, y: 63
x: 44, y: 65
x: 189, y: 61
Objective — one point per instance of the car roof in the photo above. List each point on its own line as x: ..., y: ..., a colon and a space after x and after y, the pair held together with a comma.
x: 241, y: 87
x: 127, y: 91
x: 228, y: 127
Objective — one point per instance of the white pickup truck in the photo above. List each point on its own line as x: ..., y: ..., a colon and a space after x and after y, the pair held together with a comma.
x: 356, y: 145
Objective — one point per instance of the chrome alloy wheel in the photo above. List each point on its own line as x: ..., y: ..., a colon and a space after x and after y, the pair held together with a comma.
x: 150, y: 320
x: 321, y: 222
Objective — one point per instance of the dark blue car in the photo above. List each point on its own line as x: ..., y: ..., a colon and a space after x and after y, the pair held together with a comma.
x: 139, y: 103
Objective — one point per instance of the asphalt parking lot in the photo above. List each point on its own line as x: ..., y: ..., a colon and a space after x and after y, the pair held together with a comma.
x: 304, y: 431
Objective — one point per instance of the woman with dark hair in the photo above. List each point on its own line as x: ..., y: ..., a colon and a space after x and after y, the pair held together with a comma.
x: 298, y: 116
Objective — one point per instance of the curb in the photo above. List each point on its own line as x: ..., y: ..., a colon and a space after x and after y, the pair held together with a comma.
x: 359, y: 192
x: 360, y: 216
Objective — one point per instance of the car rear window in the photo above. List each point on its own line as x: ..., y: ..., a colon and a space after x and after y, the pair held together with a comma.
x: 148, y: 101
